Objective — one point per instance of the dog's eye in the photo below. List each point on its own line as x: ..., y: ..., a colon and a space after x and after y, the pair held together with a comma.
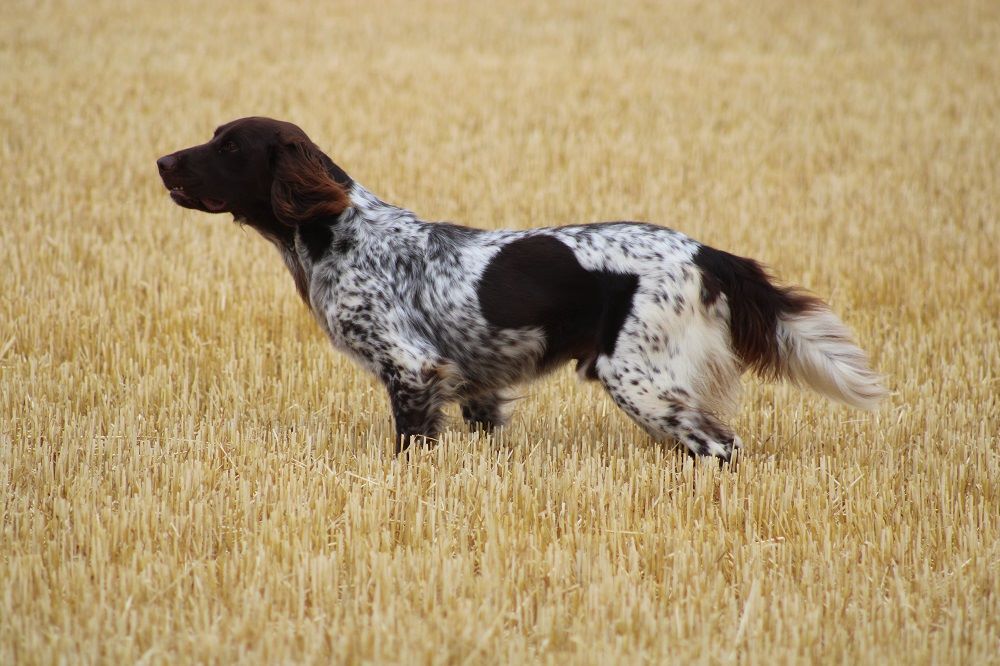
x: 229, y: 147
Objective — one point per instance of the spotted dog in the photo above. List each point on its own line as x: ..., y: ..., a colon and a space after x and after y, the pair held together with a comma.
x: 444, y: 313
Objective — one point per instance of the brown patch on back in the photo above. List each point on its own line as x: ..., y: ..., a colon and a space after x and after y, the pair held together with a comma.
x: 537, y: 281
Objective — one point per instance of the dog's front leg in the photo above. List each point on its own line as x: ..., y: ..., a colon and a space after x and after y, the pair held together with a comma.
x: 417, y: 398
x: 484, y: 412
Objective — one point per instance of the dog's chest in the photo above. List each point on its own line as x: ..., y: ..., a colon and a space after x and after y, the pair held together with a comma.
x: 351, y: 305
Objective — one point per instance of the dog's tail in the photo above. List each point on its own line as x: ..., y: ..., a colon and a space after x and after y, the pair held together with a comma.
x: 784, y: 332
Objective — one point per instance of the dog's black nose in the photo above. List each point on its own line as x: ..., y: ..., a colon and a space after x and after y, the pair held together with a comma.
x: 166, y: 163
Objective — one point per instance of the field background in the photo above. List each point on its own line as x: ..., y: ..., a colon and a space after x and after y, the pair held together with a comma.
x: 188, y: 473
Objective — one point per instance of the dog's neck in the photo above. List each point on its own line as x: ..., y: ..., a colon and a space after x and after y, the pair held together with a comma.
x: 283, y: 238
x: 367, y: 214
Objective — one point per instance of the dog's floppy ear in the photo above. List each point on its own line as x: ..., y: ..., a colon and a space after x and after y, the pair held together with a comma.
x: 303, y: 189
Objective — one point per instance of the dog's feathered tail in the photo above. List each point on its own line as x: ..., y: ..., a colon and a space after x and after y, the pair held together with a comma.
x: 784, y: 332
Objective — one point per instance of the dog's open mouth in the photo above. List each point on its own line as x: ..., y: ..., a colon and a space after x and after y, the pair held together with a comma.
x: 182, y: 198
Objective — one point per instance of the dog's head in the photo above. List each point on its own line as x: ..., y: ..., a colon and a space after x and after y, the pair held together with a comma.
x: 260, y: 170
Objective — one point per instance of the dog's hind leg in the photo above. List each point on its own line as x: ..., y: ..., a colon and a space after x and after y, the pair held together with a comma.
x: 673, y: 415
x: 676, y: 387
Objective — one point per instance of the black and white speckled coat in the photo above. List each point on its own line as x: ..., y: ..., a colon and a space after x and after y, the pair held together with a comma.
x: 444, y: 313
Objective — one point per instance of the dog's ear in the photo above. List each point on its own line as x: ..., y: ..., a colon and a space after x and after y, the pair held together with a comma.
x: 303, y: 189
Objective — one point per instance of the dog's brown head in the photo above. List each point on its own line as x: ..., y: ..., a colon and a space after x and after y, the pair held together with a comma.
x: 266, y: 172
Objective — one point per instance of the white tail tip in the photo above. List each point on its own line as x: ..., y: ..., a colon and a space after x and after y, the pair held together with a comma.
x: 817, y: 350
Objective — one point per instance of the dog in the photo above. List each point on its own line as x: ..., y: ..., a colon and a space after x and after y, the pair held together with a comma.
x: 442, y: 313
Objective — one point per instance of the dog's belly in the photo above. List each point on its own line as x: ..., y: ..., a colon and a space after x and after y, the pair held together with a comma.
x: 496, y: 359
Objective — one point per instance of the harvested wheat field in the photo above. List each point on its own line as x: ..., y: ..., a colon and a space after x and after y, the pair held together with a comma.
x: 190, y: 474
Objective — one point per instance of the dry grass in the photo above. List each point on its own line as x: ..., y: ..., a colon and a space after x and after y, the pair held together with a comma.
x: 189, y: 474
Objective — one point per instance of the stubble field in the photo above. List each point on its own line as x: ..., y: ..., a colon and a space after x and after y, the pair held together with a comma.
x: 188, y: 473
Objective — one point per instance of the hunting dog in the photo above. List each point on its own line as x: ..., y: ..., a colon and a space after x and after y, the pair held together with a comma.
x: 445, y: 313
